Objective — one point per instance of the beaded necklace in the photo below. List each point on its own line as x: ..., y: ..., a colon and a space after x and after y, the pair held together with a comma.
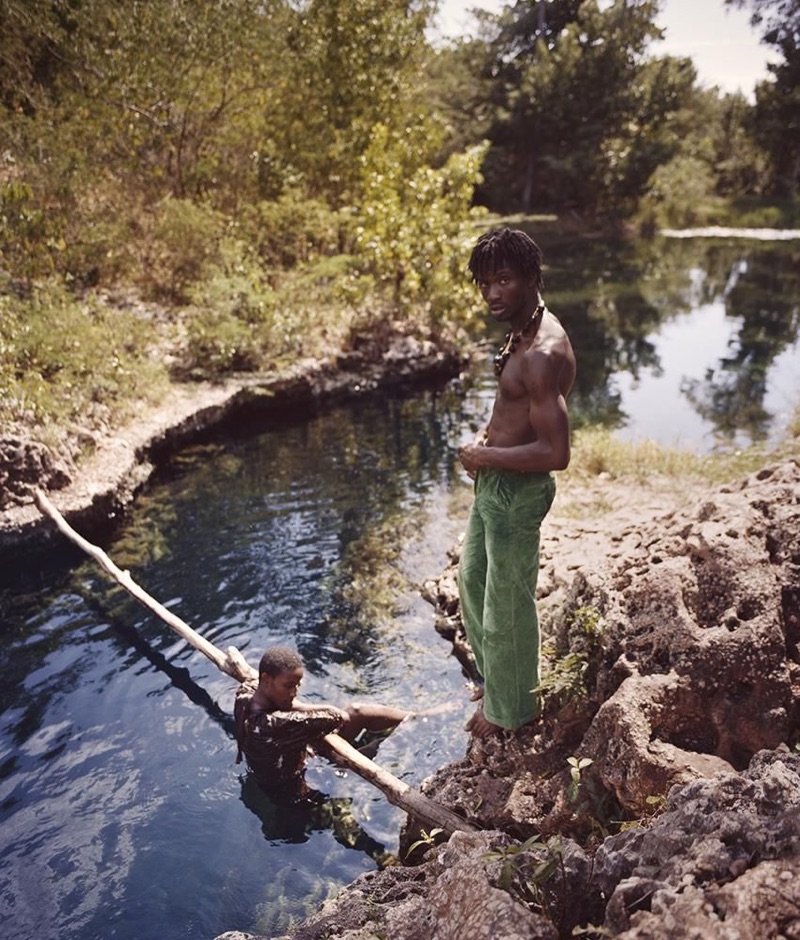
x: 512, y: 339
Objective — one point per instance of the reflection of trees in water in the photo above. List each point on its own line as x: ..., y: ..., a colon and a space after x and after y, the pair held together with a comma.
x: 299, y: 530
x: 612, y: 295
x: 601, y: 292
x: 763, y: 296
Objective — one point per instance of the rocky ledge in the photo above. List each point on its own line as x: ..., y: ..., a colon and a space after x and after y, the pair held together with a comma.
x: 659, y: 797
x: 92, y: 493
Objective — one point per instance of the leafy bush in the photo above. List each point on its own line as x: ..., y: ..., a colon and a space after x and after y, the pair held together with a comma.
x: 289, y: 230
x: 184, y: 241
x: 29, y: 236
x: 416, y: 230
x: 680, y: 194
x: 71, y: 362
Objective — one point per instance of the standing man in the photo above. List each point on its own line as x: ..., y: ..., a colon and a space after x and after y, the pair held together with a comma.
x: 511, y: 461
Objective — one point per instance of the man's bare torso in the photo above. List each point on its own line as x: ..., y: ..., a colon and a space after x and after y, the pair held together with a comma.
x: 538, y: 372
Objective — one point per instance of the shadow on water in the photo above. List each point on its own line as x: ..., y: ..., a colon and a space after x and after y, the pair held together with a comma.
x: 315, y: 535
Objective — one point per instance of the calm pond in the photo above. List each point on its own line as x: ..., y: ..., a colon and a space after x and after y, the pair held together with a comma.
x: 123, y: 812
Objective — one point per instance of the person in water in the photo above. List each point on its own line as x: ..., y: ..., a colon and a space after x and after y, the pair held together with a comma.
x: 274, y: 729
x: 512, y: 462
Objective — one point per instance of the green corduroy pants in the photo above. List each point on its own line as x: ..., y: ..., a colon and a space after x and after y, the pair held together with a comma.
x: 498, y: 570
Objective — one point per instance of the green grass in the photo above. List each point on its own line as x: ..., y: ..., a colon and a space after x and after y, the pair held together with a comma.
x: 596, y: 451
x: 71, y: 364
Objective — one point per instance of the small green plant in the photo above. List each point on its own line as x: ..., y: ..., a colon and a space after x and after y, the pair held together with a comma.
x: 588, y: 621
x: 566, y: 679
x: 576, y: 766
x: 527, y: 878
x: 426, y: 838
x: 511, y: 857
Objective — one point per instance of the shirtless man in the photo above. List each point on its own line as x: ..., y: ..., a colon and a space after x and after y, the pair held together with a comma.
x: 274, y: 728
x: 511, y: 461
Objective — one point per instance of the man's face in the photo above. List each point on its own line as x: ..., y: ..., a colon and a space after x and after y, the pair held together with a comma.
x: 282, y: 689
x: 508, y: 294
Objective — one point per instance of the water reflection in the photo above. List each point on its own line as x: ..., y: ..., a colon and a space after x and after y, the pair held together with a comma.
x: 116, y: 757
x: 624, y: 302
x: 115, y: 740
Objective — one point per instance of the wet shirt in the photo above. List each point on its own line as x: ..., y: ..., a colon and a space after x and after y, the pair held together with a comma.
x: 274, y: 743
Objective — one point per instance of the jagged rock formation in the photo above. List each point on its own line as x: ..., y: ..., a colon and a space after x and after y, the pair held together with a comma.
x: 674, y: 684
x: 691, y: 667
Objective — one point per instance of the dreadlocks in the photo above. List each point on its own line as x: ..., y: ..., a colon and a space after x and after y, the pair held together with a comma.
x: 278, y: 659
x: 506, y: 248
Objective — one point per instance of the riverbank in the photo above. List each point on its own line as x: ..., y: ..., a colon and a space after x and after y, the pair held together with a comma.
x: 93, y: 493
x: 678, y: 583
x: 660, y: 795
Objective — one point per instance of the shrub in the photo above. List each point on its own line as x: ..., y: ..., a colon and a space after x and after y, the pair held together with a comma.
x: 184, y: 240
x: 416, y: 230
x: 289, y: 230
x: 70, y: 362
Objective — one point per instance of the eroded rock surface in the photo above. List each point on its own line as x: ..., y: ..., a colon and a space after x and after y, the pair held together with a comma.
x: 690, y: 663
x: 722, y: 862
x: 684, y: 634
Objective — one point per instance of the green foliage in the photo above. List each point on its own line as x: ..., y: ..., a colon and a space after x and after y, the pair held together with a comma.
x: 527, y: 869
x: 291, y: 230
x: 185, y: 241
x: 581, y: 113
x: 576, y: 767
x: 777, y: 112
x: 657, y: 803
x: 564, y: 678
x: 680, y: 195
x: 72, y: 362
x: 28, y: 235
x: 426, y: 838
x: 353, y: 64
x: 569, y: 675
x: 591, y: 930
x: 416, y: 229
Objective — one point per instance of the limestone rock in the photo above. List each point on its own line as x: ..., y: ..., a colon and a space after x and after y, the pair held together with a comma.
x: 692, y: 670
x: 26, y: 464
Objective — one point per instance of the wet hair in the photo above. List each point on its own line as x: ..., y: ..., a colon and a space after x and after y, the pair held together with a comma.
x: 506, y: 248
x: 278, y: 659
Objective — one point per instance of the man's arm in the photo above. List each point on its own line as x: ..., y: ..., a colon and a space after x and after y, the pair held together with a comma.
x: 301, y: 725
x: 310, y: 707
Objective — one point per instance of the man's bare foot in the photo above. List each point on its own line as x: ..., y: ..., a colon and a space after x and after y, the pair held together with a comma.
x: 480, y: 726
x: 476, y: 692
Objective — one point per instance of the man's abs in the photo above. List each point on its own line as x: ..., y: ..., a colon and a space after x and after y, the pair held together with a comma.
x: 510, y: 424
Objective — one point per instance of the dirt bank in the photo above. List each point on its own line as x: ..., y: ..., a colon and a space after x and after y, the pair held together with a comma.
x: 94, y: 492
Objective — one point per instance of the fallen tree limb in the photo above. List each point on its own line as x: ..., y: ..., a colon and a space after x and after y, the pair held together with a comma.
x: 233, y: 664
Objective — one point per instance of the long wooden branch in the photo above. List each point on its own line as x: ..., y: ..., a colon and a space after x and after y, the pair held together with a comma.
x: 233, y: 663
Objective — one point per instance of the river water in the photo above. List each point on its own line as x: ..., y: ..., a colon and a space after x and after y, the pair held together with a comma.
x: 123, y: 812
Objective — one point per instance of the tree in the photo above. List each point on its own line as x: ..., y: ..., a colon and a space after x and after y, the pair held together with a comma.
x: 777, y: 118
x: 353, y: 64
x: 580, y: 110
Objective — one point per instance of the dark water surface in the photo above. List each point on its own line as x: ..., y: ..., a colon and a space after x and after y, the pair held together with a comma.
x: 122, y: 812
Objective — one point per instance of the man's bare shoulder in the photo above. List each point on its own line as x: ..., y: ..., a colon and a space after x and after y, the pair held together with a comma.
x: 550, y: 358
